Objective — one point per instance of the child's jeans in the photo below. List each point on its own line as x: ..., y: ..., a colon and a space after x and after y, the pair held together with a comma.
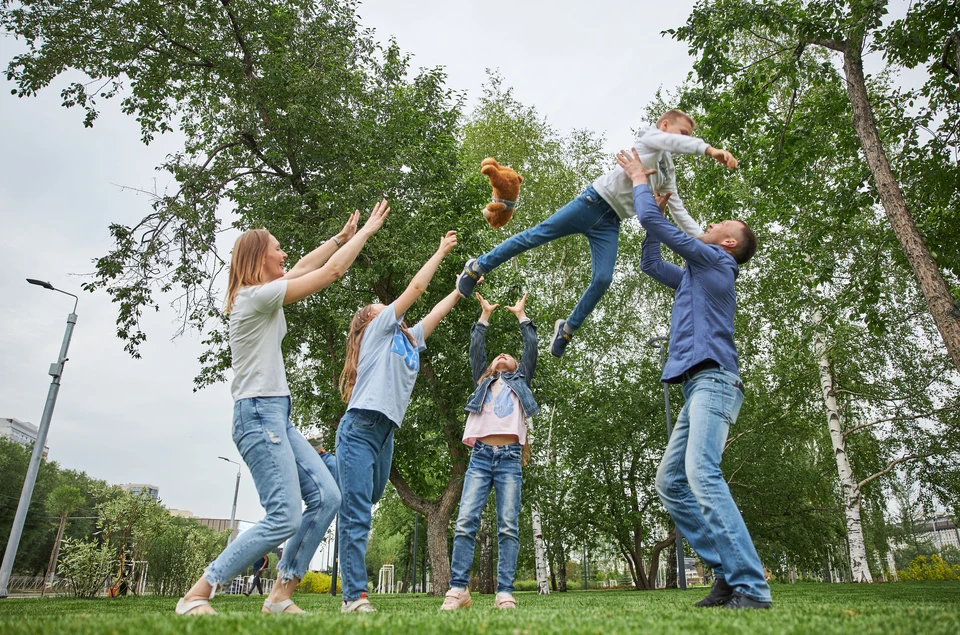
x: 364, y: 455
x: 285, y: 468
x: 588, y: 214
x: 499, y: 468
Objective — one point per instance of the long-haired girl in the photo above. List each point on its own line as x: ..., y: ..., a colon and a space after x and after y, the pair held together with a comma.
x: 497, y: 430
x: 284, y: 466
x: 383, y: 358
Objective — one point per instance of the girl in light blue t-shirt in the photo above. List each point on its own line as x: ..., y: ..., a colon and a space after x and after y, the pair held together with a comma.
x: 383, y: 358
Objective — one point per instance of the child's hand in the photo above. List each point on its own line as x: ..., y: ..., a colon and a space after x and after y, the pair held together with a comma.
x: 377, y: 216
x: 485, y: 306
x: 518, y: 308
x: 448, y: 243
x: 633, y: 167
x: 722, y: 157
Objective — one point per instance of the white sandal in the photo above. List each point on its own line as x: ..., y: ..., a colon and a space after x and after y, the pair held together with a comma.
x: 186, y: 608
x: 278, y: 607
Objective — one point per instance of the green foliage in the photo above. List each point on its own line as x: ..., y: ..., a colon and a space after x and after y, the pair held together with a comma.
x: 87, y: 565
x: 936, y: 569
x: 316, y: 582
x: 178, y: 552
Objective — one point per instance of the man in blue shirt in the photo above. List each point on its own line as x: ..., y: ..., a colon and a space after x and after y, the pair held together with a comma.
x: 703, y: 357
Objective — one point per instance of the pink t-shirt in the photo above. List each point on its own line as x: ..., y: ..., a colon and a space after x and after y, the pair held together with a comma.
x: 501, y: 413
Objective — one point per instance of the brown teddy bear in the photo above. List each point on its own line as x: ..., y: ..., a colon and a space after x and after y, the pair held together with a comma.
x: 506, y: 188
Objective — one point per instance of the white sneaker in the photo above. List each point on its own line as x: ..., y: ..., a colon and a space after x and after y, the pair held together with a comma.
x: 360, y: 605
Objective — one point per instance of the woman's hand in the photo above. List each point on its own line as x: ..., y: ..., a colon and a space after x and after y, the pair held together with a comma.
x: 377, y: 216
x: 448, y: 243
x: 349, y: 229
x: 518, y: 309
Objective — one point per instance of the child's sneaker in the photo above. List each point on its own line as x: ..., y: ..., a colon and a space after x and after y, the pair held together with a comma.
x: 505, y: 601
x: 456, y: 599
x: 467, y: 280
x: 360, y: 605
x: 561, y: 337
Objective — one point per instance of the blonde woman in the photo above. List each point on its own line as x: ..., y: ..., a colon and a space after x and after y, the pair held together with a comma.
x: 383, y: 359
x: 285, y: 467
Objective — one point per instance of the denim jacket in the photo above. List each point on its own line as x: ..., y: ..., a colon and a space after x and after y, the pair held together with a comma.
x: 518, y: 380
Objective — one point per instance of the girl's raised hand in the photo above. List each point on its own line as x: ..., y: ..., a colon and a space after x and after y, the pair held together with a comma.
x: 448, y: 243
x: 485, y: 306
x: 377, y: 216
x: 518, y: 309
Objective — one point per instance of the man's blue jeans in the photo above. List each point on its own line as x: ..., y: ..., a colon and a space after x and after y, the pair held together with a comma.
x: 364, y: 455
x: 588, y: 214
x: 692, y: 488
x: 497, y: 468
x: 285, y: 468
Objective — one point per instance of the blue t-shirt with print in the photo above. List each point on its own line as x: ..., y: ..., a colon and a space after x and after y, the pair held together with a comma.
x: 387, y: 367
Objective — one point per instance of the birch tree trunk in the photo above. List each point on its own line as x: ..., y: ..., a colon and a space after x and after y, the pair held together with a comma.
x: 540, y: 554
x: 849, y: 486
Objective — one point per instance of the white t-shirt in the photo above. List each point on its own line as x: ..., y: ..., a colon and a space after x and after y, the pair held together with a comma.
x: 387, y: 366
x: 257, y: 327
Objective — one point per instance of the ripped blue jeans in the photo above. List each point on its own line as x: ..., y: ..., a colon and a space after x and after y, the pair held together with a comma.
x: 285, y: 469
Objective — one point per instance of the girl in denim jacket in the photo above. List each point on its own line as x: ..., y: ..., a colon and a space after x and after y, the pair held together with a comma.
x: 497, y: 430
x: 382, y: 363
x: 284, y: 466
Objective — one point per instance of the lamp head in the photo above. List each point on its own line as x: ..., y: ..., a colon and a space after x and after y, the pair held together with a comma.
x: 40, y: 283
x: 657, y: 341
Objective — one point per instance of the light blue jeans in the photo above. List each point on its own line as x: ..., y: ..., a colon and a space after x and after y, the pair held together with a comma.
x: 364, y: 455
x: 285, y: 468
x: 497, y: 468
x: 588, y: 214
x: 692, y: 488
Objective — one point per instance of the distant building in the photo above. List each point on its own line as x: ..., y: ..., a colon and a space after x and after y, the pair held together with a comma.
x: 182, y: 513
x: 139, y: 488
x: 220, y: 524
x: 22, y: 432
x: 938, y: 531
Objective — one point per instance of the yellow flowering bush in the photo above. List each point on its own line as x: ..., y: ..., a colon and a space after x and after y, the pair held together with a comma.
x: 920, y: 570
x: 315, y: 582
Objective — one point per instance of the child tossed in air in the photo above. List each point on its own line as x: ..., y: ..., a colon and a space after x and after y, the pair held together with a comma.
x: 497, y: 430
x: 598, y: 212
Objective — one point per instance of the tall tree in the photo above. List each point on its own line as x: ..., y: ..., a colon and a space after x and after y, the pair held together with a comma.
x: 61, y: 502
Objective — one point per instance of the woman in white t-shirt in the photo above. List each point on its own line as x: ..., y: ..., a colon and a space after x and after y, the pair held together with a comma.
x: 284, y: 466
x: 382, y: 362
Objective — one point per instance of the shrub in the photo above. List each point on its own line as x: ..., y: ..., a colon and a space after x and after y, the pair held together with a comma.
x: 316, y: 582
x: 86, y: 566
x: 936, y: 569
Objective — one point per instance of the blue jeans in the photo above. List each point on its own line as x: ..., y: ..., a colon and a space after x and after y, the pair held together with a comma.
x: 588, y: 214
x: 364, y: 455
x: 285, y: 468
x: 499, y: 468
x: 692, y: 488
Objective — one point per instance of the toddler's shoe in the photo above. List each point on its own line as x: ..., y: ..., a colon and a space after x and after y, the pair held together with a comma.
x: 467, y: 280
x: 456, y: 599
x: 561, y: 337
x: 505, y: 601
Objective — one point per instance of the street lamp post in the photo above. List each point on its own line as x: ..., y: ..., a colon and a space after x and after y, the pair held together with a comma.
x: 233, y: 513
x: 26, y: 494
x: 658, y: 342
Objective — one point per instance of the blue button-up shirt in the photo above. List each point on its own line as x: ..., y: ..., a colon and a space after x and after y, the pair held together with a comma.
x: 701, y: 325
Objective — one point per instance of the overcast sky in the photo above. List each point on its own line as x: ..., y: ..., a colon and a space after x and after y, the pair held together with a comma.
x: 126, y: 420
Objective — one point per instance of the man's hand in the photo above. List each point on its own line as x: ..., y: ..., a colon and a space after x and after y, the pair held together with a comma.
x: 633, y: 167
x: 518, y: 308
x: 662, y: 201
x: 722, y: 157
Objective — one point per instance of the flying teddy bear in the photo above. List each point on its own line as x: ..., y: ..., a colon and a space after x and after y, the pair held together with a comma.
x: 506, y: 189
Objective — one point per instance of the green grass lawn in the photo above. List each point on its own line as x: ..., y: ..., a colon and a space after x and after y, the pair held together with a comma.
x: 926, y: 608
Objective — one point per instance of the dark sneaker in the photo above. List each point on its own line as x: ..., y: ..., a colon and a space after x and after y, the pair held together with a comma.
x: 467, y: 280
x: 561, y: 337
x: 740, y: 601
x: 719, y: 594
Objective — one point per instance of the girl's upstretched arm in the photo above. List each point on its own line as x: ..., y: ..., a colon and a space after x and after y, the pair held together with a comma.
x: 439, y: 312
x: 420, y: 281
x: 478, y: 338
x: 528, y: 361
